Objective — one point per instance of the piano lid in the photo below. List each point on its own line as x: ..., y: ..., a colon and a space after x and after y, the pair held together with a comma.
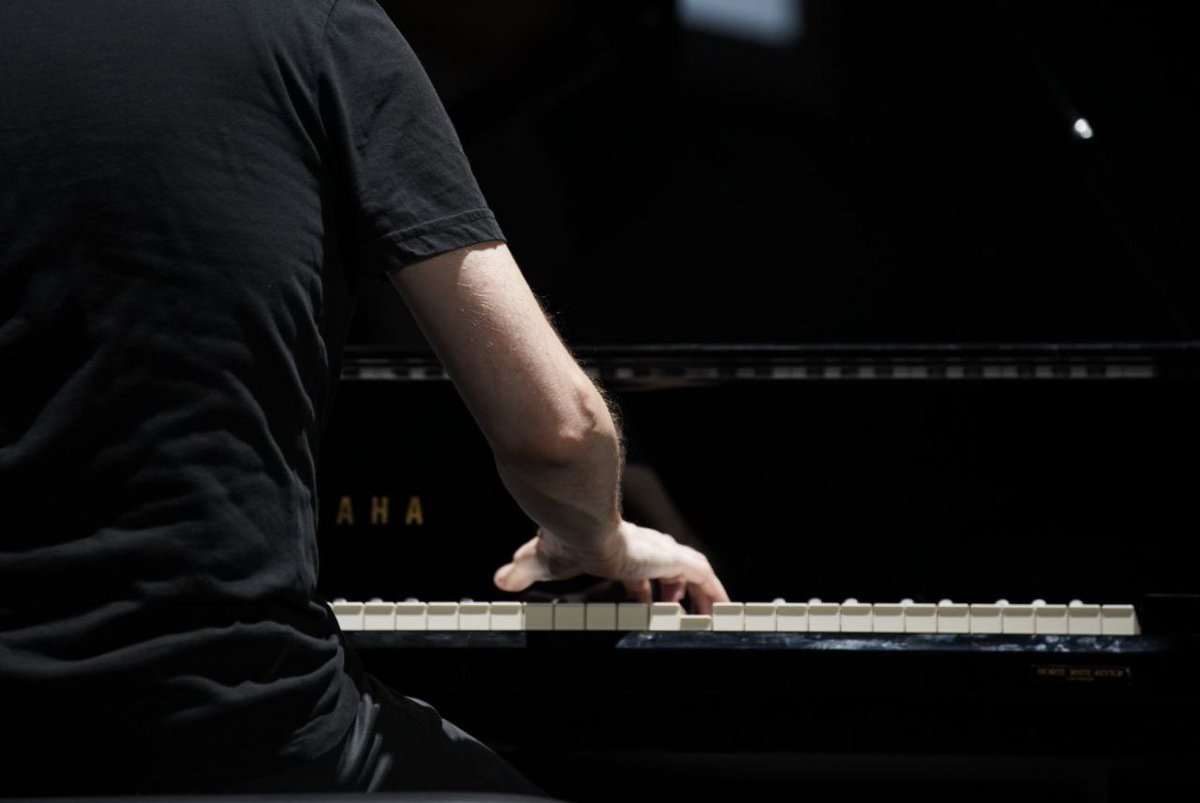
x: 841, y: 172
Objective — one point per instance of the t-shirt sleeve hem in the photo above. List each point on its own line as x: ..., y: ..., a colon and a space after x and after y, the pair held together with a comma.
x: 416, y: 243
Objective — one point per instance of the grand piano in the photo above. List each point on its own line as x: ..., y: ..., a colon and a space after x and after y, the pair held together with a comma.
x: 895, y: 304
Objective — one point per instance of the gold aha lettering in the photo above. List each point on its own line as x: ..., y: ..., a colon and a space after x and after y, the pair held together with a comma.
x: 379, y: 510
x: 345, y: 514
x: 415, y: 514
x: 380, y: 516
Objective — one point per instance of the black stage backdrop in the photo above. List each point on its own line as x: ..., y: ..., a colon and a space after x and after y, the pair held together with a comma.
x: 879, y: 172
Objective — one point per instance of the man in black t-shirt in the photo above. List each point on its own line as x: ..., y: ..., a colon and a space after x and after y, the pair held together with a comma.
x: 189, y: 195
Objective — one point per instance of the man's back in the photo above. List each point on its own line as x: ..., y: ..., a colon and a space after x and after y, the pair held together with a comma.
x: 189, y: 194
x: 187, y: 197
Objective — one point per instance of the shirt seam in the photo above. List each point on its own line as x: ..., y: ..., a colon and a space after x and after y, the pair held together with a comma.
x: 325, y: 25
x: 322, y: 46
x: 438, y: 224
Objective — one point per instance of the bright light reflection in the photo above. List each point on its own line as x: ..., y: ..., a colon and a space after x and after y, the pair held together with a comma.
x: 769, y: 22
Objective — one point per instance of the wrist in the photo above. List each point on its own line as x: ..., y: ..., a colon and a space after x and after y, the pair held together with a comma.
x: 600, y: 552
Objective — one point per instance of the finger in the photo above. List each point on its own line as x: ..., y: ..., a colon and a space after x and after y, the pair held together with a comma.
x: 525, y: 569
x: 672, y: 589
x: 509, y: 578
x: 703, y: 586
x: 638, y: 590
x: 704, y: 594
x: 526, y: 549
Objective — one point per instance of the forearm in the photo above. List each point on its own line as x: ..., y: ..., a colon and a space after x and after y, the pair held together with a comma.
x: 556, y: 444
x: 575, y: 496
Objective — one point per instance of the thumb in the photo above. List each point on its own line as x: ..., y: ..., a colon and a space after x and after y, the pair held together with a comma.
x: 518, y: 575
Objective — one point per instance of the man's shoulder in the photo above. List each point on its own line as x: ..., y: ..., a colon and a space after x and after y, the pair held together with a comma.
x: 287, y: 14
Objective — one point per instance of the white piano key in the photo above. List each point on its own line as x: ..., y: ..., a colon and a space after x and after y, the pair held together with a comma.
x: 953, y: 617
x: 1083, y: 620
x: 539, y: 616
x: 759, y: 617
x: 665, y: 615
x: 851, y: 616
x: 379, y: 615
x: 1017, y: 619
x: 600, y: 616
x: 507, y: 616
x: 474, y: 615
x: 695, y: 623
x: 1050, y: 619
x: 633, y: 616
x: 824, y: 617
x: 986, y: 618
x: 349, y: 615
x: 441, y: 616
x: 1119, y: 620
x: 856, y: 617
x: 729, y: 616
x: 410, y: 616
x: 920, y: 617
x: 887, y: 617
x: 793, y: 617
x: 569, y: 616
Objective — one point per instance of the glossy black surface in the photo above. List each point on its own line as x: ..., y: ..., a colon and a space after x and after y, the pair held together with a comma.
x: 592, y: 715
x: 1057, y: 478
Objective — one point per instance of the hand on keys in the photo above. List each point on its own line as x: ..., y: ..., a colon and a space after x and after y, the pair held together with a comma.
x: 636, y: 556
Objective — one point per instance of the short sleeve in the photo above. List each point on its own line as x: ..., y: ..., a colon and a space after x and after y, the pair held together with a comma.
x: 406, y: 190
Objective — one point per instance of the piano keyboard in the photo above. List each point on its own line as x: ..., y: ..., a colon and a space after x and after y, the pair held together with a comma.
x: 814, y: 616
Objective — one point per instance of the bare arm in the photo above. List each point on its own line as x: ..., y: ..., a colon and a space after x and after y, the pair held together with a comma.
x: 554, y: 441
x: 556, y: 445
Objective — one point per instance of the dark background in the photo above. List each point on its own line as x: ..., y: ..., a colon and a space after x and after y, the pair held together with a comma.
x: 901, y: 172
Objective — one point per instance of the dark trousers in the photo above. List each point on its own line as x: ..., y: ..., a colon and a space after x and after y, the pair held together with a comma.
x: 395, y: 744
x: 399, y: 743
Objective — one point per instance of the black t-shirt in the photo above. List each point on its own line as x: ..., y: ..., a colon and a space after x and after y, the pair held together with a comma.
x: 189, y: 192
